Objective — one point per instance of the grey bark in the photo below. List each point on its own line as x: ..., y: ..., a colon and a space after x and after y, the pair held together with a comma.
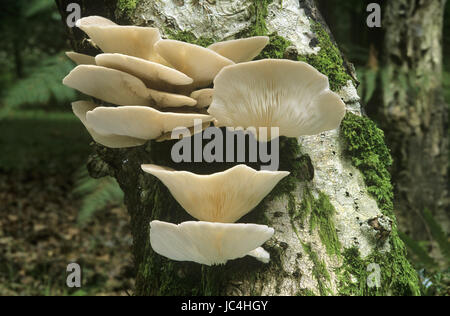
x: 414, y: 114
x: 301, y: 263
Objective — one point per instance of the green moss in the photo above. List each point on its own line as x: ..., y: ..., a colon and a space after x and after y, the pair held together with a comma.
x: 368, y: 152
x: 321, y: 213
x: 396, y: 275
x: 189, y: 37
x: 127, y: 5
x: 329, y: 60
x: 320, y: 271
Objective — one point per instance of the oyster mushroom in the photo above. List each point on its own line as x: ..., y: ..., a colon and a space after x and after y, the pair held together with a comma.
x: 290, y: 95
x: 81, y: 59
x: 81, y: 108
x: 139, y: 122
x: 129, y: 40
x: 223, y: 197
x: 154, y: 75
x: 118, y: 87
x: 199, y: 63
x: 241, y: 50
x: 204, y: 97
x: 208, y: 243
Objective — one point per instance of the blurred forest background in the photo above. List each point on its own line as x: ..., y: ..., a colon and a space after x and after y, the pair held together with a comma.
x: 52, y: 213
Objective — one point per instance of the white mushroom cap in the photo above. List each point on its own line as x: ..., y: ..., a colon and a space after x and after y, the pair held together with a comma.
x: 204, y: 97
x: 223, y: 197
x: 241, y: 50
x: 154, y: 75
x: 118, y: 87
x: 81, y: 108
x: 109, y: 85
x: 260, y: 254
x: 192, y: 131
x: 139, y: 121
x: 128, y: 40
x: 290, y: 95
x: 81, y: 59
x: 199, y: 63
x: 207, y: 243
x: 94, y: 20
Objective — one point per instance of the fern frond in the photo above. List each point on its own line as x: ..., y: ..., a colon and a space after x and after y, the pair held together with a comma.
x: 43, y: 84
x: 423, y: 257
x: 437, y: 233
x: 36, y: 7
x: 96, y: 194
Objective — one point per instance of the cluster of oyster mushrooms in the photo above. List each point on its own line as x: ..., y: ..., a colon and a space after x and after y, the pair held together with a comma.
x: 144, y: 87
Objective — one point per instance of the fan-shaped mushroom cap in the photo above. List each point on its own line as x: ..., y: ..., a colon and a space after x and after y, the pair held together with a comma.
x: 109, y: 85
x: 94, y: 20
x: 81, y: 108
x: 139, y: 121
x: 128, y: 40
x: 204, y: 97
x: 222, y: 197
x: 207, y: 243
x: 118, y: 87
x: 199, y: 63
x: 290, y: 95
x: 81, y: 59
x: 241, y: 50
x: 154, y: 75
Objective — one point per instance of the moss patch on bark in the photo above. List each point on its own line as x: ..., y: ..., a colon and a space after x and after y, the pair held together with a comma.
x: 328, y: 60
x: 127, y: 5
x: 368, y: 152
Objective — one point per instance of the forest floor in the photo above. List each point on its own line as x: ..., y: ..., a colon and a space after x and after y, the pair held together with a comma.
x: 39, y: 234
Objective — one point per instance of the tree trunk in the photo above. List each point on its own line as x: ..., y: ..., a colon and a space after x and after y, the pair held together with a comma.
x: 333, y: 221
x: 414, y: 115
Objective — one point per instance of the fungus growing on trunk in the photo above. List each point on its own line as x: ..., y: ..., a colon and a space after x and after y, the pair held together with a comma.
x: 121, y: 88
x: 209, y: 243
x: 139, y: 122
x: 141, y: 72
x: 81, y: 108
x: 292, y: 96
x: 154, y: 75
x: 199, y: 63
x: 222, y: 197
x: 129, y: 40
x: 81, y: 59
x: 204, y: 97
x: 241, y: 50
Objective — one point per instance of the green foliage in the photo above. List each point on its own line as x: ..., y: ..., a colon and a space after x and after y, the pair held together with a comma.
x: 36, y: 7
x: 423, y: 258
x: 42, y: 140
x: 368, y: 82
x: 42, y: 85
x: 97, y: 194
x: 438, y: 234
x: 435, y: 280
